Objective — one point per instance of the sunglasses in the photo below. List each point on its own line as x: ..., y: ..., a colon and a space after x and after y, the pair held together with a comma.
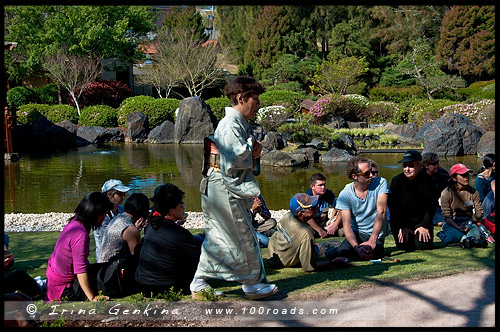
x: 409, y: 165
x: 374, y: 173
x: 365, y: 174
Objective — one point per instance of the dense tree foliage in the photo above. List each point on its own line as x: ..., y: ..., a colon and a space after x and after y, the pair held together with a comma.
x: 467, y: 41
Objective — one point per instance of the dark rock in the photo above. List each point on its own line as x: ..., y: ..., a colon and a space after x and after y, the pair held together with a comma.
x: 335, y: 154
x: 49, y: 136
x: 310, y: 154
x: 194, y: 121
x: 405, y: 132
x: 95, y: 135
x: 68, y: 125
x: 345, y: 142
x: 357, y: 124
x: 282, y: 159
x: 419, y: 136
x: 336, y: 122
x: 486, y: 144
x: 471, y: 135
x: 316, y: 143
x: 273, y: 141
x: 137, y: 127
x: 163, y: 133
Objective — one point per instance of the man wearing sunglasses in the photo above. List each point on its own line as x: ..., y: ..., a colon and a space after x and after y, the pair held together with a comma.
x: 362, y: 205
x: 412, y: 202
x: 439, y: 177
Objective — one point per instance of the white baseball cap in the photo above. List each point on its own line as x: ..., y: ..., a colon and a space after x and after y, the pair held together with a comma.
x: 114, y: 184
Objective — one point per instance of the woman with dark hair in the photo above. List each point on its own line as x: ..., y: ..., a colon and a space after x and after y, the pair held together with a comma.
x: 486, y: 175
x: 461, y: 210
x: 169, y: 255
x: 69, y: 274
x: 123, y: 233
x: 230, y: 250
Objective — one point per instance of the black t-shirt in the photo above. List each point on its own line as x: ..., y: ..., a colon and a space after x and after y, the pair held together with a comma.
x: 168, y: 255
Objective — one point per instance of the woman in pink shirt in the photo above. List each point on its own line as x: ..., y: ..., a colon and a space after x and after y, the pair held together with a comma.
x: 69, y: 274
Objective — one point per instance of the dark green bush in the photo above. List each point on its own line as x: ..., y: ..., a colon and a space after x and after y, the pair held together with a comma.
x: 288, y: 86
x: 396, y: 95
x: 48, y: 94
x: 289, y: 99
x: 58, y: 113
x: 218, y: 106
x: 98, y: 115
x: 30, y: 113
x: 21, y: 96
x: 478, y: 90
x: 134, y: 98
x: 424, y: 111
x: 384, y: 111
x: 165, y: 110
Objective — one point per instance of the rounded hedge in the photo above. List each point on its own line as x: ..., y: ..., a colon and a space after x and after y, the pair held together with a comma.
x: 289, y: 99
x: 98, y: 115
x: 30, y: 113
x: 218, y: 106
x: 134, y: 98
x: 58, y: 113
x: 18, y: 96
x: 48, y: 94
x: 157, y: 110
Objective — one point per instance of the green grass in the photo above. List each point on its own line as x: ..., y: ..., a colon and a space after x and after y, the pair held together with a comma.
x: 33, y: 249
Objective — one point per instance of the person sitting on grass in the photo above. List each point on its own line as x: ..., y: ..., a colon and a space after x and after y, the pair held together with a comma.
x: 69, y: 273
x: 412, y: 203
x: 363, y: 205
x: 122, y: 235
x: 462, y: 209
x: 322, y: 225
x: 439, y: 177
x: 292, y: 245
x: 486, y: 176
x: 169, y: 255
x: 262, y: 222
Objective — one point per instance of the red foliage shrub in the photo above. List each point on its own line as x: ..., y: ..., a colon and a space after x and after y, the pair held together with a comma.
x: 110, y: 93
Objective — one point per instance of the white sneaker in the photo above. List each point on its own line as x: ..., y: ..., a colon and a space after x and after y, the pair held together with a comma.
x: 259, y: 291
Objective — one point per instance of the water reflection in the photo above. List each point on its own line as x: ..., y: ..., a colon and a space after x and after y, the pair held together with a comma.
x: 56, y: 183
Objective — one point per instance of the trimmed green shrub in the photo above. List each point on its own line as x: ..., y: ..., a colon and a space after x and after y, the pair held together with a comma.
x: 425, y: 111
x: 21, y: 96
x: 140, y: 97
x: 48, y: 94
x: 288, y: 99
x: 98, y: 115
x: 218, y: 106
x: 478, y: 91
x: 58, y: 113
x: 397, y: 95
x: 384, y: 111
x: 165, y: 110
x: 30, y: 113
x: 134, y: 104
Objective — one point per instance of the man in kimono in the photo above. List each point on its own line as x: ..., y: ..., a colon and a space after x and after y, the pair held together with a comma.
x: 230, y: 250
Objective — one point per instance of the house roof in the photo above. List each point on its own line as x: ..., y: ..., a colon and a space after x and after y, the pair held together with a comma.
x: 307, y: 104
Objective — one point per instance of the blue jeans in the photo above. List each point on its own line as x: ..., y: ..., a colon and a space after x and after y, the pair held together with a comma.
x: 452, y: 235
x: 438, y: 217
x: 263, y: 240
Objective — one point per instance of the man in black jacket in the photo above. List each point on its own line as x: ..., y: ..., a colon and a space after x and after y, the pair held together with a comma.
x: 439, y: 177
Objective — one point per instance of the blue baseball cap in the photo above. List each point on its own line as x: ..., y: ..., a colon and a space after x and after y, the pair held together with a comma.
x: 302, y: 201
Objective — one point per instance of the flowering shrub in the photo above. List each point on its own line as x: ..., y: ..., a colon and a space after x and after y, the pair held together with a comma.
x: 425, y: 111
x: 98, y: 115
x: 358, y: 100
x: 384, y: 111
x: 58, y: 113
x: 348, y: 107
x: 271, y: 117
x: 469, y: 110
x: 30, y: 113
x: 110, y: 93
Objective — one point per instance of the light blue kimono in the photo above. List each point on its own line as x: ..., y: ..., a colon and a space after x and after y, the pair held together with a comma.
x: 230, y: 250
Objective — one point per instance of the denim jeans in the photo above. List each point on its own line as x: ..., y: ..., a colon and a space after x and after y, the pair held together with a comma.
x: 452, y: 235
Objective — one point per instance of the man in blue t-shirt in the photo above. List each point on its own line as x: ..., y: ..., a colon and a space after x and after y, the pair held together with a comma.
x: 321, y: 224
x: 362, y: 205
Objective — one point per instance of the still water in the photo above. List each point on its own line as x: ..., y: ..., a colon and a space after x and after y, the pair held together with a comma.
x: 56, y: 183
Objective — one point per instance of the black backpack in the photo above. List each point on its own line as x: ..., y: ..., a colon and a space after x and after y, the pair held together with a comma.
x: 117, y: 279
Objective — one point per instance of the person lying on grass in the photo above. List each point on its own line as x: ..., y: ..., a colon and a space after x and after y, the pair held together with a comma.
x: 293, y: 243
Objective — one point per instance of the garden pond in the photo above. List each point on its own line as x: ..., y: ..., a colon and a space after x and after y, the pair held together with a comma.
x: 57, y: 182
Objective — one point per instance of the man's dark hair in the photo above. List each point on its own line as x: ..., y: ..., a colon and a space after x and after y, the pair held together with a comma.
x: 353, y: 165
x: 245, y: 85
x: 137, y: 205
x: 91, y: 207
x: 429, y: 158
x: 316, y: 177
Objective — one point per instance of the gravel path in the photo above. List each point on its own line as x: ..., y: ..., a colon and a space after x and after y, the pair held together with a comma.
x: 55, y: 222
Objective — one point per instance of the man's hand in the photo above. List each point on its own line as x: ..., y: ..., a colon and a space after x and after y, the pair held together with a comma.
x: 331, y: 229
x: 364, y: 251
x: 403, y: 234
x: 256, y: 205
x: 423, y: 234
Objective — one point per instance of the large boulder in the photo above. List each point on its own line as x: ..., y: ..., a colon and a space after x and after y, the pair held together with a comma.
x: 137, y: 127
x: 273, y: 141
x: 405, y: 132
x: 335, y: 154
x: 336, y: 122
x: 282, y: 159
x: 194, y: 121
x: 163, y: 133
x: 69, y: 126
x: 95, y: 135
x: 345, y: 142
x: 486, y: 144
x: 452, y: 135
x: 49, y: 136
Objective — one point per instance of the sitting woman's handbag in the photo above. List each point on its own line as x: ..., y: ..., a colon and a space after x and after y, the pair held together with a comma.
x: 117, y: 279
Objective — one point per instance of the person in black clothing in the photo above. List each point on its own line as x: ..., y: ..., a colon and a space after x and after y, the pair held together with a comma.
x: 439, y: 177
x: 169, y: 255
x: 412, y: 203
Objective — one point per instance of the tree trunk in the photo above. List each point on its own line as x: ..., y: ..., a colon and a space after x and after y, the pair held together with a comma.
x: 59, y: 96
x: 76, y: 102
x: 419, y: 77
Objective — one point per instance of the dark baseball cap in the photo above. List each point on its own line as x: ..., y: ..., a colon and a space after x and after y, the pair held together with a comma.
x: 411, y: 155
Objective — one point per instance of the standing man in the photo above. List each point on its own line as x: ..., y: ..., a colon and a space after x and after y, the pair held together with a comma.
x: 115, y: 191
x: 322, y: 226
x: 439, y: 177
x: 362, y: 205
x: 230, y: 250
x: 412, y: 203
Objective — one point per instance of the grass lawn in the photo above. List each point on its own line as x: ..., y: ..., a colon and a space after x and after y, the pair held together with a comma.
x: 33, y: 249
